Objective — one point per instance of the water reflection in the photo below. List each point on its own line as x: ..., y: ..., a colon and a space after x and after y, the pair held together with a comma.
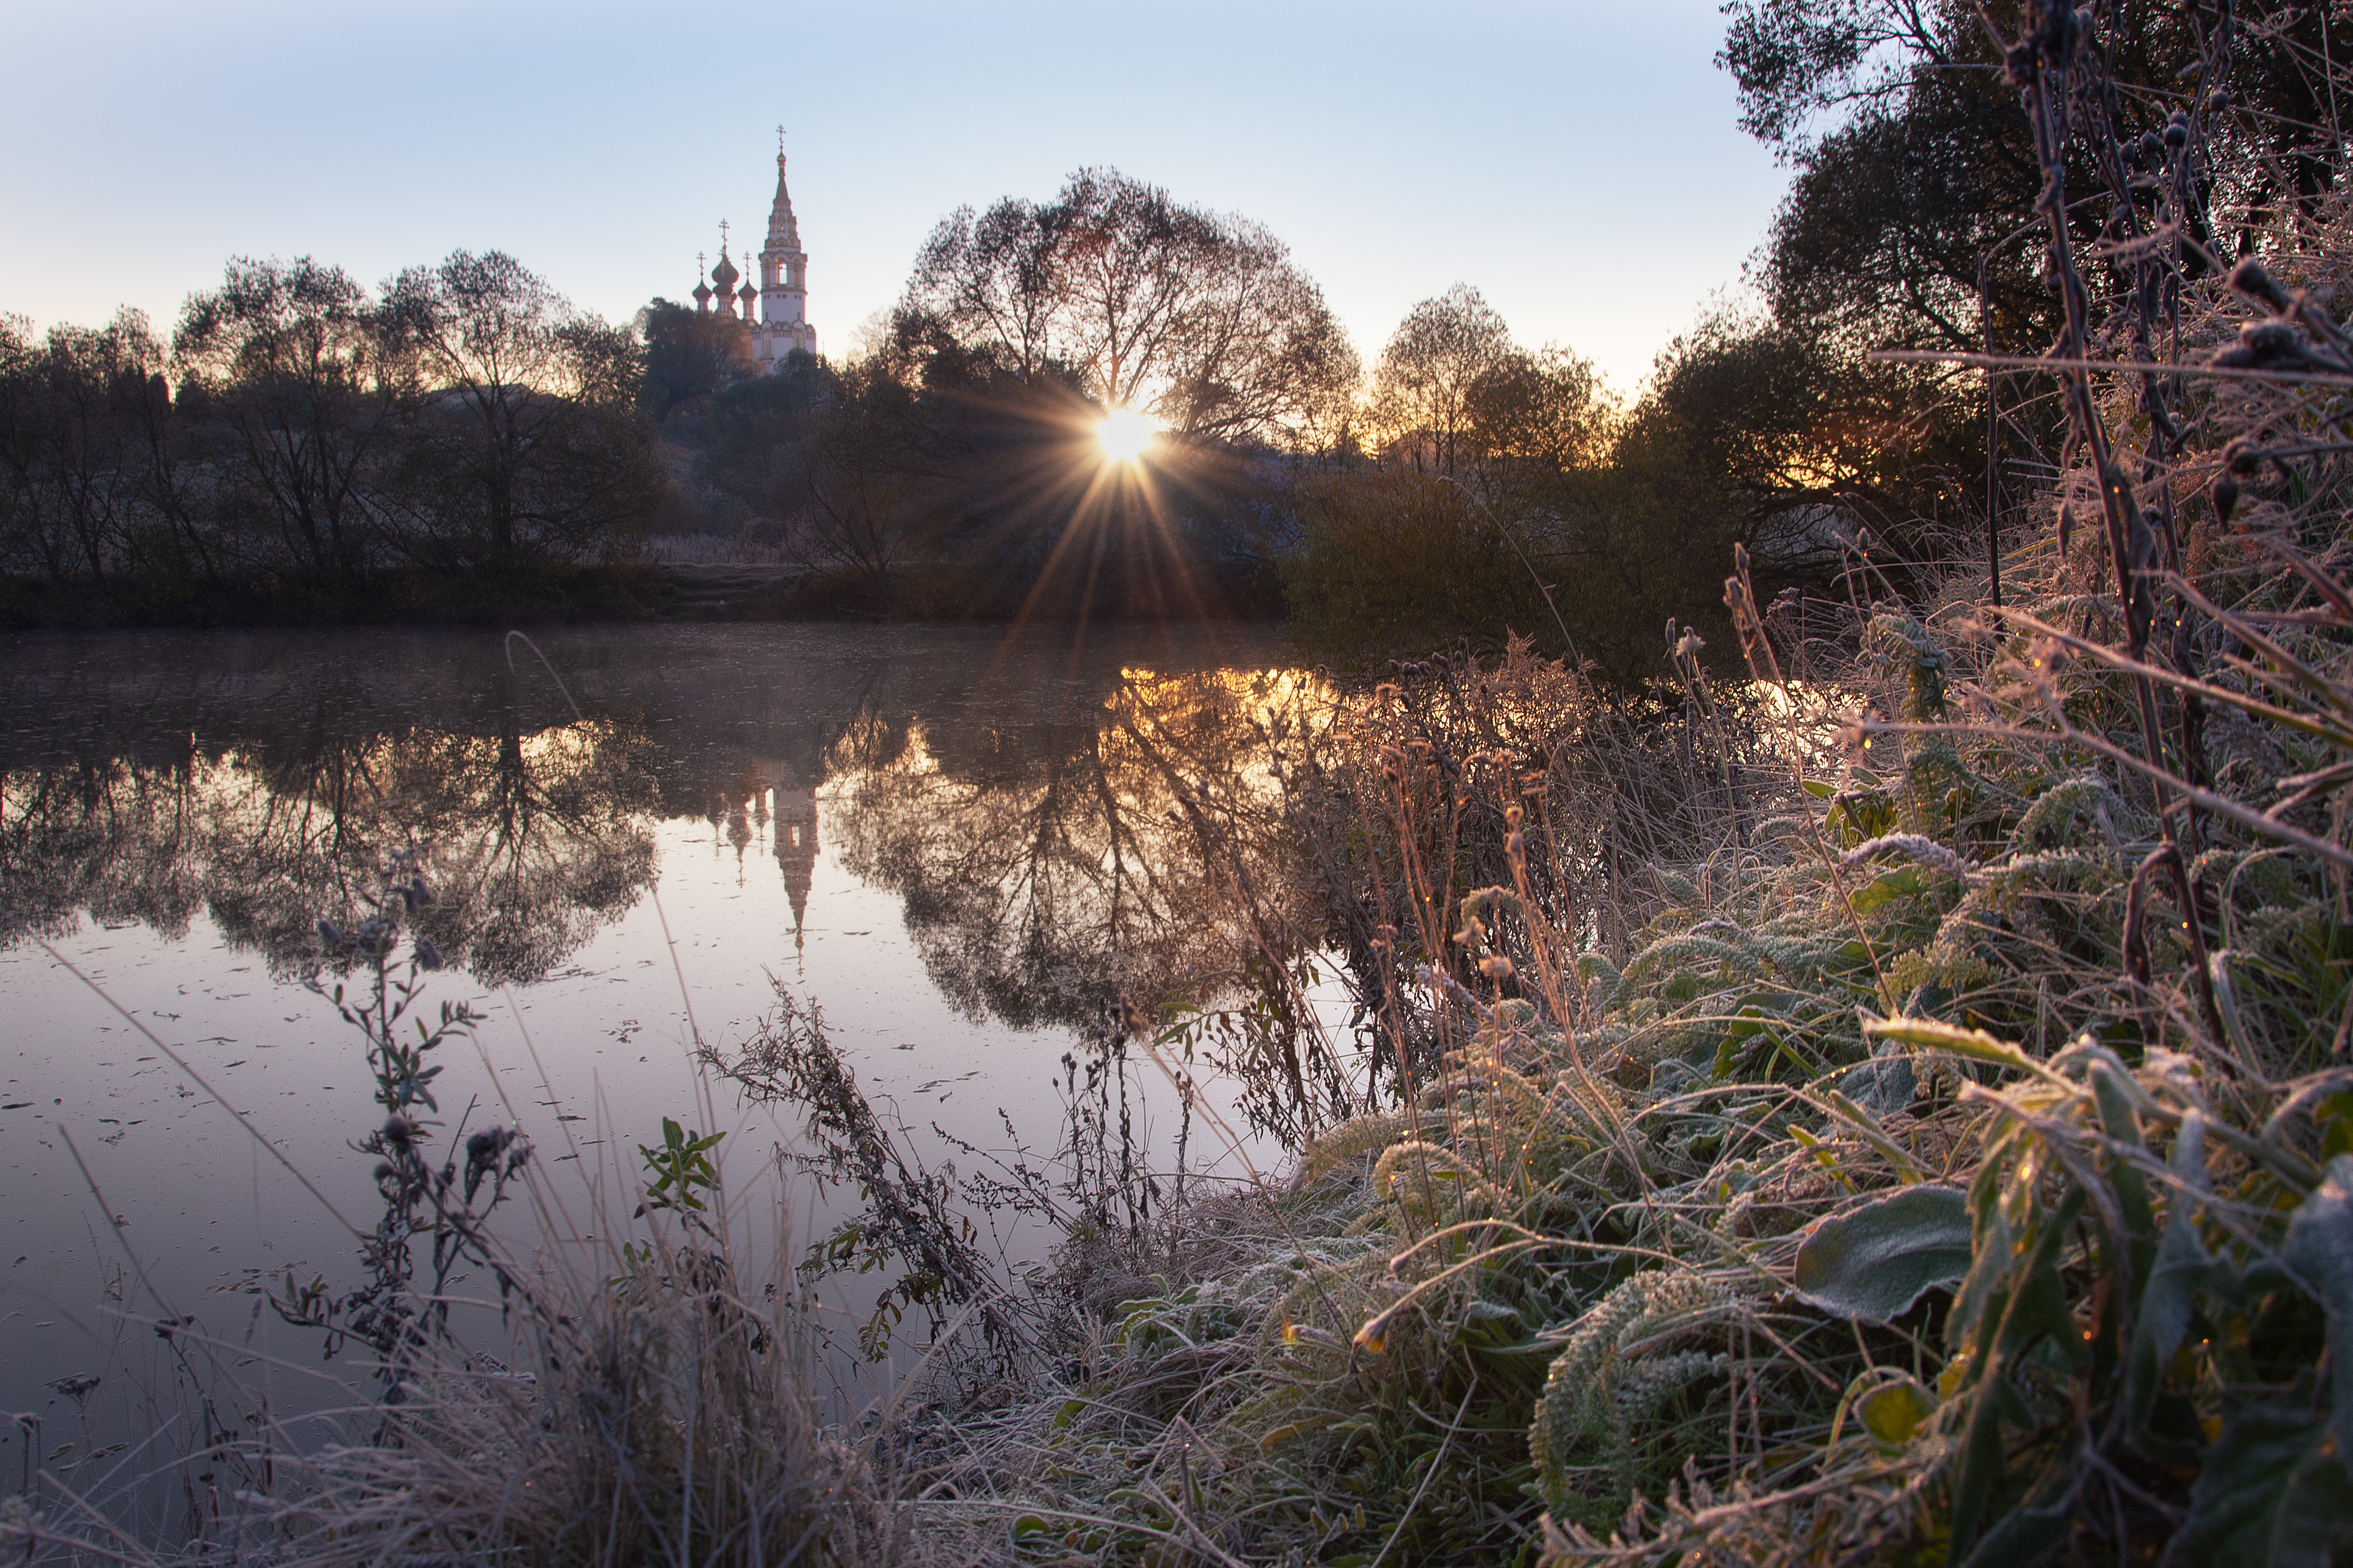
x: 532, y: 841
x: 960, y: 845
x: 1062, y: 834
x: 1047, y: 868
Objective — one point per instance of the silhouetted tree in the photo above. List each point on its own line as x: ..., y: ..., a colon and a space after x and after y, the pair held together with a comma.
x: 1198, y: 320
x: 289, y: 359
x: 526, y: 442
x: 689, y: 354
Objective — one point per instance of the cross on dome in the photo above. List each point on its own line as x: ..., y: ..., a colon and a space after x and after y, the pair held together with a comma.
x: 774, y: 297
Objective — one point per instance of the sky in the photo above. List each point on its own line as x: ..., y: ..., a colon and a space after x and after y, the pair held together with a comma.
x: 1576, y: 162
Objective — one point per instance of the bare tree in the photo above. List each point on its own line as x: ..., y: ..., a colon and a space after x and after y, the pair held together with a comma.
x: 1199, y: 320
x: 1425, y: 386
x: 76, y: 440
x: 290, y: 356
x: 527, y: 441
x: 990, y: 281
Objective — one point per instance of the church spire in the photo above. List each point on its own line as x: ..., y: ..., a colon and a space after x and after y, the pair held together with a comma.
x: 784, y: 327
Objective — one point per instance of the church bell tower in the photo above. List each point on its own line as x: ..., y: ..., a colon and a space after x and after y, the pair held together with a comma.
x: 783, y: 282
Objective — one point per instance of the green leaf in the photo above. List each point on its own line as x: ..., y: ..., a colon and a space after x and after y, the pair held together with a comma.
x: 2315, y: 1522
x: 1887, y: 888
x: 2271, y: 1492
x: 1875, y: 1261
x: 2320, y: 1252
x: 2182, y: 1268
x: 1974, y: 1044
x: 1488, y: 1325
x: 2334, y: 1117
x: 1894, y: 1411
x: 1818, y: 789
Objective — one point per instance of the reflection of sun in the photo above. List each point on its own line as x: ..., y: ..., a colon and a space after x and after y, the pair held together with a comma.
x: 1124, y: 435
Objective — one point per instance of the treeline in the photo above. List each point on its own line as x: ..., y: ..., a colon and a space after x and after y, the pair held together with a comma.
x: 299, y: 434
x: 304, y: 445
x: 949, y: 467
x: 1466, y: 485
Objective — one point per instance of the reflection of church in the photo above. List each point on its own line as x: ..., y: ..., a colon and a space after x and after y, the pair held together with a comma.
x: 780, y: 802
x: 781, y: 296
x: 795, y: 807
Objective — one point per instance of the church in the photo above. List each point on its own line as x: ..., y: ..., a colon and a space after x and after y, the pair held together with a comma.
x: 780, y: 298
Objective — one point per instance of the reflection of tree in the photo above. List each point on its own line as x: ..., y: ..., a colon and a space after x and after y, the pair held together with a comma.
x: 532, y: 841
x: 1050, y: 869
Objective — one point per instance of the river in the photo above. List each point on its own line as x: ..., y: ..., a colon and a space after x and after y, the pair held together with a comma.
x: 969, y: 847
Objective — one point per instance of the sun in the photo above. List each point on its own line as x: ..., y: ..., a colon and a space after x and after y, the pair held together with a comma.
x: 1125, y: 436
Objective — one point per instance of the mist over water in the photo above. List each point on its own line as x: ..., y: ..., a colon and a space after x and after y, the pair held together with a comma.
x: 967, y: 847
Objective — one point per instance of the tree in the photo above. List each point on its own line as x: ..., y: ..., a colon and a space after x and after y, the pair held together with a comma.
x: 1453, y: 395
x: 1423, y: 385
x: 869, y: 483
x: 1914, y: 221
x: 757, y: 428
x: 1543, y: 408
x: 1915, y: 165
x: 525, y: 440
x: 21, y: 532
x: 79, y: 410
x: 290, y: 358
x: 1198, y: 320
x: 688, y: 353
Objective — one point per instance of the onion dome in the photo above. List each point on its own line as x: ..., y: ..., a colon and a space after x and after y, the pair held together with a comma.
x: 750, y: 296
x: 701, y: 293
x: 724, y: 274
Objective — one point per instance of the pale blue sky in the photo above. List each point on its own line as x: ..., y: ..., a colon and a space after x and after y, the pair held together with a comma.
x: 1576, y: 162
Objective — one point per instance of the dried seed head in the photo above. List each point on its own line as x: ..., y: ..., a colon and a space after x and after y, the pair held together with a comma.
x: 2272, y: 339
x: 2250, y: 278
x: 2225, y: 497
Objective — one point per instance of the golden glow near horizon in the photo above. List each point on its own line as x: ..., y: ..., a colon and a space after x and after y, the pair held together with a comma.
x: 1125, y: 436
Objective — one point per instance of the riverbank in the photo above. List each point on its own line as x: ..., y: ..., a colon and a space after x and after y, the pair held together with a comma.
x: 1803, y: 1121
x: 627, y: 592
x: 665, y: 592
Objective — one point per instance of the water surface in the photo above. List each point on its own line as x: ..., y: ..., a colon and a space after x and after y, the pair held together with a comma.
x: 969, y: 849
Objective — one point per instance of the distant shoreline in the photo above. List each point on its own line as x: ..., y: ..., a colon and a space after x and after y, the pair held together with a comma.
x: 634, y: 592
